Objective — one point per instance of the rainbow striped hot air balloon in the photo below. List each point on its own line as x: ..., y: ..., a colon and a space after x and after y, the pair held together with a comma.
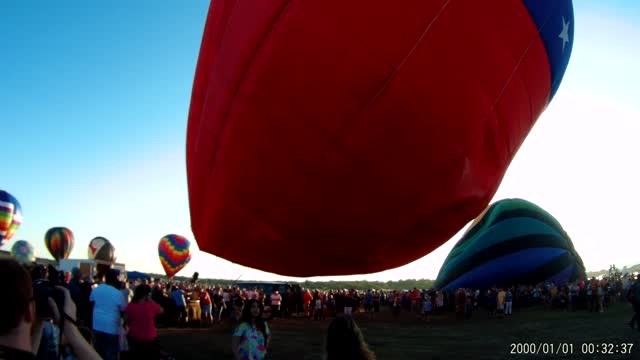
x: 10, y: 216
x: 59, y: 242
x: 174, y: 253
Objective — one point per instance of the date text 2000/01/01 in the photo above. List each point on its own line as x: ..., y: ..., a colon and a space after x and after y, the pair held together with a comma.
x: 569, y: 348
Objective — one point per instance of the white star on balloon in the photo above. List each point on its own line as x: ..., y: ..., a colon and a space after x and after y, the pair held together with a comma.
x: 564, y: 35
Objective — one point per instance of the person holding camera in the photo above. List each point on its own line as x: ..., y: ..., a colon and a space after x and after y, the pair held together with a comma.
x: 20, y: 325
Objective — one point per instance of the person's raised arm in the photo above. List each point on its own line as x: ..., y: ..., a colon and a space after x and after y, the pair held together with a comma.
x: 81, y: 348
x: 235, y: 341
x: 267, y: 336
x: 235, y: 347
x: 36, y: 335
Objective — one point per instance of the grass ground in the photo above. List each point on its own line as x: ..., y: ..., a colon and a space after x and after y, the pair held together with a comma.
x: 445, y: 337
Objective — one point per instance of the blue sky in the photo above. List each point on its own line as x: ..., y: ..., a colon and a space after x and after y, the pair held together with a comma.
x: 93, y: 111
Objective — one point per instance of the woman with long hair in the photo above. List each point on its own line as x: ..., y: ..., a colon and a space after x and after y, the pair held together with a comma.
x: 251, y: 336
x: 345, y: 341
x: 140, y: 314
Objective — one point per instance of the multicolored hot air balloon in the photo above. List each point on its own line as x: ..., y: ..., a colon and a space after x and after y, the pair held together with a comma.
x: 365, y: 133
x: 23, y: 252
x: 59, y: 242
x: 512, y: 242
x: 102, y: 251
x: 174, y: 253
x: 10, y: 216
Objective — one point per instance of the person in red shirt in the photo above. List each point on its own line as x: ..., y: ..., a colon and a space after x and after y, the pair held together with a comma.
x: 205, y: 304
x: 415, y: 302
x: 140, y: 314
x: 307, y: 301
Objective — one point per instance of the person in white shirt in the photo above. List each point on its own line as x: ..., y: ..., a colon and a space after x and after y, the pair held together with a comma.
x: 126, y: 291
x: 250, y: 294
x: 108, y: 306
x: 276, y: 300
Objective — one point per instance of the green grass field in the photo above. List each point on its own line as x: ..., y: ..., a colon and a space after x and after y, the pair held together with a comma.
x: 445, y: 337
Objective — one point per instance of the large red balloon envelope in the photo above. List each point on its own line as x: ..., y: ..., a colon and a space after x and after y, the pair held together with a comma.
x: 340, y: 137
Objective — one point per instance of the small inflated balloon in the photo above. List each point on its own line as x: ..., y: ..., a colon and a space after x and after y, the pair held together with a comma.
x: 10, y: 216
x: 101, y: 250
x: 23, y: 252
x: 513, y: 242
x: 363, y: 133
x: 174, y: 253
x: 59, y: 242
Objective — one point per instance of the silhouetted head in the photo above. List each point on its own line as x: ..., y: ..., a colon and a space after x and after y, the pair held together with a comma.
x: 345, y: 341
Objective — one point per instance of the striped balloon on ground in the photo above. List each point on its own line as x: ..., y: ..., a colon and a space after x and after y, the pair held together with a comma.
x: 174, y: 253
x: 512, y: 242
x: 23, y: 252
x: 10, y: 216
x: 59, y: 242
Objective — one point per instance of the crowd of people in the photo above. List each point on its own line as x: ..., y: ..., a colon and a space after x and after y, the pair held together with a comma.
x: 106, y: 318
x: 209, y: 305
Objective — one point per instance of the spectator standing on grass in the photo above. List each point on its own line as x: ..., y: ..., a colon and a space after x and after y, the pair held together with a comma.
x: 427, y: 310
x: 396, y: 306
x: 251, y: 336
x: 356, y: 301
x: 368, y: 300
x: 492, y: 302
x: 108, y: 306
x: 318, y: 311
x: 573, y: 296
x: 276, y: 300
x: 140, y: 314
x: 127, y: 293
x: 600, y: 293
x: 468, y: 308
x: 331, y: 305
x: 415, y: 299
x: 205, y: 306
x: 592, y: 294
x: 181, y: 304
x: 634, y: 298
x: 376, y: 301
x: 501, y: 299
x: 508, y: 303
x: 348, y: 303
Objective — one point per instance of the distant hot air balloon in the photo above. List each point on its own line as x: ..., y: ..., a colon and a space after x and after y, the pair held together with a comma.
x: 513, y: 242
x: 23, y: 252
x: 59, y: 242
x: 174, y: 253
x: 101, y: 250
x: 364, y: 133
x: 10, y: 216
x: 103, y: 253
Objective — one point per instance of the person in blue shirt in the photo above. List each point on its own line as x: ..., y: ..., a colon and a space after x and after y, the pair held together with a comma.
x: 427, y: 309
x: 368, y: 300
x: 181, y: 305
x: 508, y: 303
x: 492, y: 302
